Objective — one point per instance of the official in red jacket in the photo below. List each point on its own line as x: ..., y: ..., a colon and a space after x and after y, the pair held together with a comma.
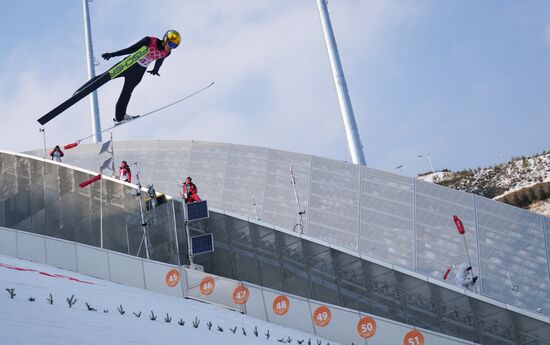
x: 190, y: 191
x: 125, y: 172
x: 56, y: 154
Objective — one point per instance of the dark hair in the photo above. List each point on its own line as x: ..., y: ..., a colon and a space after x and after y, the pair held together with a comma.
x: 189, y: 177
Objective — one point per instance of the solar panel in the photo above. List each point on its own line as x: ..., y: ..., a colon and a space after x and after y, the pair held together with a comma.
x: 197, y: 210
x: 202, y: 244
x: 106, y: 163
x: 105, y: 147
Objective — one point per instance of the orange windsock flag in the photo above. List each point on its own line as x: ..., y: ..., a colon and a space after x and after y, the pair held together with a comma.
x: 90, y: 181
x: 71, y: 145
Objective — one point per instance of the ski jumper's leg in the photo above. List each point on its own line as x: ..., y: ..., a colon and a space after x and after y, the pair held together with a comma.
x: 132, y: 77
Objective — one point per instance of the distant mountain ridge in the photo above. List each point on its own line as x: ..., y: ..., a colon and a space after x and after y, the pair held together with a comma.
x: 523, y: 181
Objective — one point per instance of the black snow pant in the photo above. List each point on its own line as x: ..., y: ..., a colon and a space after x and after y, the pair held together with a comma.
x: 132, y: 77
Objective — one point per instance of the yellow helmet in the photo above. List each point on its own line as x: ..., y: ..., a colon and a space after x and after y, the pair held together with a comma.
x: 172, y: 37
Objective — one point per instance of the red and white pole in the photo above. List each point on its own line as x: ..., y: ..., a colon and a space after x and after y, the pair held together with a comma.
x: 462, y: 232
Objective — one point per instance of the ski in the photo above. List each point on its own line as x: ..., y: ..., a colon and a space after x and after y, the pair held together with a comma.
x: 137, y: 117
x: 95, y: 84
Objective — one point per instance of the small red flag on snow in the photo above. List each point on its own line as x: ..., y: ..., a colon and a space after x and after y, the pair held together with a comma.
x: 90, y: 181
x: 447, y: 273
x: 459, y: 225
x: 71, y: 145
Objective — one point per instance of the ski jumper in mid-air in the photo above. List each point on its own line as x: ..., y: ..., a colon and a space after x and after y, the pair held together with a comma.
x: 132, y: 68
x: 158, y: 51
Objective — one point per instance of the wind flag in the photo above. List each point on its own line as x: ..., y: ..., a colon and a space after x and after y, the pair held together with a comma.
x: 447, y: 273
x: 71, y: 145
x: 90, y: 181
x: 459, y: 225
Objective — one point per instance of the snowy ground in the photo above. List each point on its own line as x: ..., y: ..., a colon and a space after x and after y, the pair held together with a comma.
x: 26, y: 322
x: 519, y: 173
x: 435, y: 177
x: 541, y: 207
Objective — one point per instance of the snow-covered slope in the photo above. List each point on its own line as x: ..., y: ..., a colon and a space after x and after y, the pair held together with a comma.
x: 436, y: 176
x: 500, y: 180
x: 23, y: 321
x: 540, y: 207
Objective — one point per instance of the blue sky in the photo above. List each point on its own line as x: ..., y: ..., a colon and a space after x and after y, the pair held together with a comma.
x: 460, y: 80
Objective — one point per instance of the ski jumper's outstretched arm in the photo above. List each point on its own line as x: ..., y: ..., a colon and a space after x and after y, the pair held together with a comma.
x: 145, y: 41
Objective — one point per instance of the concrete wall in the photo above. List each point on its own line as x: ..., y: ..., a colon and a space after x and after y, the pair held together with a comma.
x: 99, y: 263
x: 324, y: 320
x: 397, y: 219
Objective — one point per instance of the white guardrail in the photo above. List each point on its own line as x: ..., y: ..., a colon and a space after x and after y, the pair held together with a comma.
x: 325, y: 320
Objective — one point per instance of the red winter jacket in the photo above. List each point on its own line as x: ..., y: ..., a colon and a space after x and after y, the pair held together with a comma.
x: 56, y: 157
x: 190, y: 190
x: 126, y: 174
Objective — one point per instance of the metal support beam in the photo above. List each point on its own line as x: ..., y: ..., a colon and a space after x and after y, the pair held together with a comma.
x: 187, y: 233
x: 438, y: 310
x: 337, y: 277
x: 475, y: 321
x: 402, y: 300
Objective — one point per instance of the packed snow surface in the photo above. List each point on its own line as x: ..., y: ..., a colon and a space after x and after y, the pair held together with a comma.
x: 38, y: 322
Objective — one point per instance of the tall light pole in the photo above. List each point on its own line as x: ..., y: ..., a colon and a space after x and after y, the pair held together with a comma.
x: 427, y: 156
x: 94, y: 108
x: 350, y: 126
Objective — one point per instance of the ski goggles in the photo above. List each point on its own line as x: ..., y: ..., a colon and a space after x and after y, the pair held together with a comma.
x: 172, y: 44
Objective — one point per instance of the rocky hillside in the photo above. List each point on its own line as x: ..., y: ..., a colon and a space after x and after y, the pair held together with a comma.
x: 523, y: 181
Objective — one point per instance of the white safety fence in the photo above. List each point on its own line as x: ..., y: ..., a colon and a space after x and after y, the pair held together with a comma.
x: 325, y: 320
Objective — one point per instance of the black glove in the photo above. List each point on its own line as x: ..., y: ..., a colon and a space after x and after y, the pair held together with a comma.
x: 107, y: 56
x: 153, y: 72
